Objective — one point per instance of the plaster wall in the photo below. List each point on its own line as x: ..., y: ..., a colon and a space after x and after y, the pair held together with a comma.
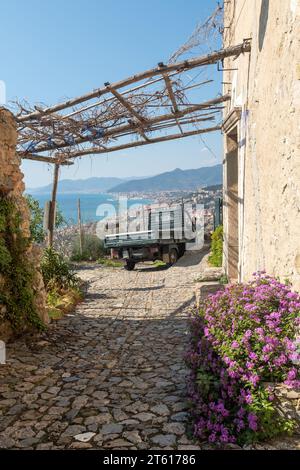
x: 265, y: 88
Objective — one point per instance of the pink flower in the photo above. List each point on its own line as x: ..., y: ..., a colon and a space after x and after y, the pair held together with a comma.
x: 253, y: 356
x: 245, y: 335
x: 292, y: 374
x: 254, y: 379
x: 252, y: 420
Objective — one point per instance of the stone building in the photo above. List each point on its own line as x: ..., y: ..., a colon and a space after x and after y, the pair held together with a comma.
x: 262, y: 140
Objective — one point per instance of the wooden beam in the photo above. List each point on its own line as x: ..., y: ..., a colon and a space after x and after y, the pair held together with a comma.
x: 170, y: 92
x: 44, y: 159
x: 180, y: 123
x: 142, y: 134
x: 127, y: 105
x: 141, y: 143
x: 207, y: 59
x: 80, y: 227
x: 131, y: 110
x: 172, y: 123
x: 53, y: 206
x: 172, y: 97
x: 126, y: 127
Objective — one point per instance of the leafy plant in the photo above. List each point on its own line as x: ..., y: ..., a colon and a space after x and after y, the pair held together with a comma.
x: 92, y: 249
x: 60, y: 302
x: 242, y: 338
x: 216, y: 254
x: 223, y: 279
x: 37, y: 219
x: 57, y: 272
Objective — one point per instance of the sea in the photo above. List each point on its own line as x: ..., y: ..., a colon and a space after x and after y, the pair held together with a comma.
x: 94, y: 207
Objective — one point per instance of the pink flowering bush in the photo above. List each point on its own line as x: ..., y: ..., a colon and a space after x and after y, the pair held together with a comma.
x: 243, y: 337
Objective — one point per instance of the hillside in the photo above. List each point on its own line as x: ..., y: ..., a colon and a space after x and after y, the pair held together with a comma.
x: 89, y: 185
x: 174, y: 180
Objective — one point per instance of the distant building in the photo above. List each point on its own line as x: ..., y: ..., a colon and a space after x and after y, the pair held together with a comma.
x: 262, y: 140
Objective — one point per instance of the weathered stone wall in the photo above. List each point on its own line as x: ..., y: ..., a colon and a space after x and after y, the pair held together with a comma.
x: 12, y: 185
x: 265, y: 90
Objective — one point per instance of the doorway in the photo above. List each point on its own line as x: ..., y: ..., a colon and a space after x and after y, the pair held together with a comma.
x: 232, y: 205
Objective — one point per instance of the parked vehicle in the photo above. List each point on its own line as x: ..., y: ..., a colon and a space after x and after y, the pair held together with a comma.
x: 165, y: 238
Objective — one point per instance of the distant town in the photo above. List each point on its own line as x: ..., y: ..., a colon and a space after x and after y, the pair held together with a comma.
x: 208, y: 196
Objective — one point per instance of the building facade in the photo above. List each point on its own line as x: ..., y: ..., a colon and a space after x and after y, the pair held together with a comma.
x: 262, y: 140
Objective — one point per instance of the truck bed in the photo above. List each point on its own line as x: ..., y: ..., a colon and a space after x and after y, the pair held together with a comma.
x: 147, y: 237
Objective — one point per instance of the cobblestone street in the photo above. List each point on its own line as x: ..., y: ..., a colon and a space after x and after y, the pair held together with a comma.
x: 112, y: 374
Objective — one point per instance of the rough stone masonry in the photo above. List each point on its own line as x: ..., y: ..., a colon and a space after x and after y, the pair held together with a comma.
x: 12, y: 186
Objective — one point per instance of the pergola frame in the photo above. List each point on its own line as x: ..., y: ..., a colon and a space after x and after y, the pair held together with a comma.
x: 82, y: 126
x: 50, y: 135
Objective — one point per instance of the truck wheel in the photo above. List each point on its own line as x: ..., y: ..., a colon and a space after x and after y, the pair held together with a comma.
x: 173, y: 256
x: 129, y: 265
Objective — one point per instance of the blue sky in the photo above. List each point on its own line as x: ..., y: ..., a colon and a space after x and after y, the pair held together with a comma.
x: 54, y: 49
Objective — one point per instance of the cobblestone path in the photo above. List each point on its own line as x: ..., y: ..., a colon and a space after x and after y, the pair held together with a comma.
x: 112, y: 374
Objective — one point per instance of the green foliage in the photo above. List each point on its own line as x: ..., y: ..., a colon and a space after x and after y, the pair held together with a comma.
x: 216, y: 254
x: 223, y: 279
x: 37, y: 218
x: 60, y: 221
x: 110, y: 262
x: 271, y: 424
x: 16, y: 293
x: 208, y: 382
x: 57, y: 272
x: 63, y: 301
x: 5, y: 256
x: 159, y: 263
x: 92, y: 249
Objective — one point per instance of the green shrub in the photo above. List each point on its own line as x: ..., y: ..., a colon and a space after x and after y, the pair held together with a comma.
x: 57, y: 272
x: 92, y: 249
x: 216, y: 253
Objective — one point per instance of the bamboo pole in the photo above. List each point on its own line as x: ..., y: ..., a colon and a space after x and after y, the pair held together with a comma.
x: 97, y: 150
x: 44, y: 159
x: 182, y: 65
x: 172, y: 123
x: 52, y: 206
